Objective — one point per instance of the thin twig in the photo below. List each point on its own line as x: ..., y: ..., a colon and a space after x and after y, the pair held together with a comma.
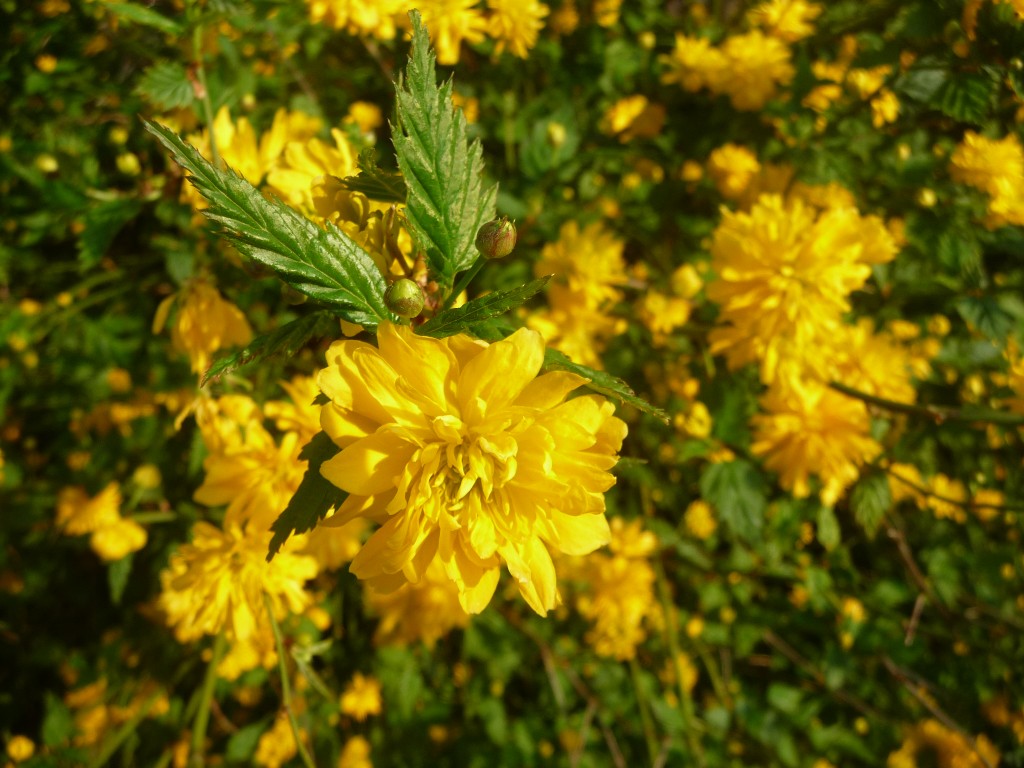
x: 286, y: 691
x: 936, y: 413
x: 914, y: 618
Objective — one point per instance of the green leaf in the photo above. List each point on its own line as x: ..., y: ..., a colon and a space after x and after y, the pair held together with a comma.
x: 923, y: 81
x: 462, y: 319
x: 602, y: 383
x: 166, y: 86
x: 58, y: 722
x: 829, y: 533
x: 325, y: 264
x: 117, y: 577
x: 737, y: 491
x: 374, y: 182
x: 242, y: 744
x: 447, y: 200
x: 313, y: 499
x: 966, y: 97
x: 984, y: 315
x: 401, y: 682
x: 140, y: 14
x: 284, y: 341
x: 870, y: 500
x: 102, y: 223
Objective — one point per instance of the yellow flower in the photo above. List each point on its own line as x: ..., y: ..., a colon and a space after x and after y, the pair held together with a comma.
x: 755, y: 65
x: 276, y: 745
x: 366, y: 115
x: 422, y: 612
x: 574, y: 327
x: 463, y: 453
x: 205, y: 323
x: 606, y: 12
x: 364, y: 18
x: 693, y: 63
x: 20, y: 748
x: 449, y: 23
x: 634, y: 117
x: 946, y: 748
x: 874, y: 363
x: 355, y: 754
x: 996, y: 167
x: 700, y: 519
x: 515, y: 24
x: 788, y: 20
x: 947, y: 499
x: 308, y: 161
x: 662, y: 313
x: 588, y: 260
x: 117, y: 540
x: 813, y: 430
x: 218, y: 581
x: 885, y: 108
x: 732, y: 168
x: 361, y: 697
x: 904, y: 482
x: 78, y: 514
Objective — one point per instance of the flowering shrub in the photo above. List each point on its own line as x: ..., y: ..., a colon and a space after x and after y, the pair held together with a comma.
x: 644, y: 387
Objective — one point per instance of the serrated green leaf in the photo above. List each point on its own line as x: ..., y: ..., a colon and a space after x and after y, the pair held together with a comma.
x: 313, y: 499
x: 829, y: 533
x: 462, y: 319
x: 325, y: 264
x: 140, y: 14
x: 986, y: 316
x: 447, y: 201
x: 375, y: 182
x: 923, y: 81
x: 602, y: 383
x: 117, y: 577
x: 284, y: 341
x: 966, y: 97
x: 870, y: 500
x: 166, y: 85
x: 737, y: 492
x: 102, y: 223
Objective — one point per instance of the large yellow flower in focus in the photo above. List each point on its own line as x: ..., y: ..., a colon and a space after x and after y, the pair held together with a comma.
x: 463, y: 453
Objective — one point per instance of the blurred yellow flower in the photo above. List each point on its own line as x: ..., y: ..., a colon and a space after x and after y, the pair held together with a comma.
x: 361, y: 697
x: 634, y: 117
x: 355, y: 754
x: 277, y: 744
x: 700, y: 519
x: 20, y: 748
x: 78, y: 514
x: 995, y: 167
x: 363, y: 18
x: 422, y: 612
x: 450, y: 22
x: 117, y: 540
x: 464, y: 454
x: 945, y: 747
x: 732, y: 168
x: 515, y: 24
x: 788, y: 20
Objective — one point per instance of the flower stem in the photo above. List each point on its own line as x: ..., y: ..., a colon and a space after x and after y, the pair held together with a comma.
x: 286, y: 690
x: 196, y: 759
x: 467, y: 278
x: 645, y: 716
x: 204, y: 95
x: 114, y: 743
x: 936, y: 413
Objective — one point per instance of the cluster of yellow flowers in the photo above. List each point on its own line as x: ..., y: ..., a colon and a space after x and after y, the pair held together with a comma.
x: 839, y: 79
x: 111, y: 536
x: 945, y: 497
x: 589, y: 272
x: 514, y: 25
x: 996, y: 167
x: 932, y: 743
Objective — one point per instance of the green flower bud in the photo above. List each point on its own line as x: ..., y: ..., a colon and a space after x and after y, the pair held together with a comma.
x: 404, y: 298
x: 497, y: 238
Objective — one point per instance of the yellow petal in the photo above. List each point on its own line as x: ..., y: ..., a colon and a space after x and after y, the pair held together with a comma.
x: 539, y: 588
x: 499, y: 374
x: 369, y: 466
x: 579, y: 534
x: 549, y: 390
x: 426, y: 364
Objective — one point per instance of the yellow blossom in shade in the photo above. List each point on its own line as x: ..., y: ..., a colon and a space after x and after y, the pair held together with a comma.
x: 695, y: 423
x: 515, y: 24
x: 788, y: 20
x: 450, y: 22
x: 606, y: 12
x: 813, y: 430
x: 355, y: 754
x: 904, y: 482
x: 20, y: 748
x: 873, y: 362
x: 885, y: 108
x: 986, y: 503
x: 619, y: 591
x: 755, y: 65
x: 995, y: 167
x: 298, y: 414
x: 78, y: 514
x: 693, y: 63
x: 462, y: 452
x: 363, y: 18
x: 663, y: 313
x: 217, y: 582
x: 276, y: 745
x: 686, y: 281
x: 423, y: 612
x: 304, y: 162
x: 574, y: 327
x: 700, y: 520
x: 634, y: 117
x: 588, y: 261
x: 117, y: 540
x: 732, y: 168
x: 784, y: 272
x: 947, y: 498
x: 366, y: 115
x: 831, y: 195
x: 681, y: 667
x: 205, y: 322
x: 945, y: 748
x: 361, y: 697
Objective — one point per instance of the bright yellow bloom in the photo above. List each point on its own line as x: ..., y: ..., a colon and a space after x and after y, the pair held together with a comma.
x: 634, y: 117
x: 423, y: 612
x: 885, y: 108
x: 361, y: 697
x: 218, y: 581
x: 117, y: 540
x: 276, y: 745
x: 20, y: 748
x: 515, y: 24
x: 900, y: 490
x: 663, y: 313
x: 363, y: 18
x: 755, y: 65
x: 693, y: 63
x: 205, y: 323
x: 788, y: 20
x: 700, y: 519
x: 78, y: 514
x: 465, y: 454
x: 732, y: 168
x: 305, y: 162
x: 947, y: 499
x: 588, y: 260
x: 996, y: 167
x: 873, y: 362
x: 449, y: 22
x: 813, y: 430
x: 946, y: 748
x: 606, y: 12
x: 355, y: 754
x: 574, y: 327
x: 366, y: 115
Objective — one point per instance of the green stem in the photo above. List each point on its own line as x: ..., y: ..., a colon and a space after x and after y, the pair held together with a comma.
x: 155, y: 517
x: 645, y: 716
x: 936, y: 413
x: 114, y: 743
x: 466, y: 279
x: 286, y: 690
x: 196, y: 759
x: 197, y: 53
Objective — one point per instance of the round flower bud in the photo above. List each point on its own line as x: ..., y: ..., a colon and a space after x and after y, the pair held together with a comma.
x: 496, y: 239
x: 404, y: 298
